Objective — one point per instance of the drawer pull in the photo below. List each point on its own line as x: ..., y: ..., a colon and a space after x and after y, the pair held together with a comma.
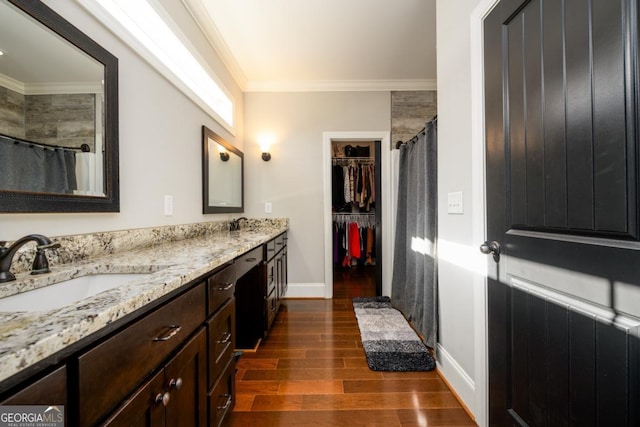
x: 280, y: 243
x: 227, y: 403
x: 163, y: 399
x: 175, y: 384
x: 226, y: 337
x: 225, y: 287
x: 174, y: 329
x: 271, y: 250
x: 251, y: 259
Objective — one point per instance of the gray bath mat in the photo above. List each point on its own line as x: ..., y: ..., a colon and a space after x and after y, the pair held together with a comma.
x: 389, y: 342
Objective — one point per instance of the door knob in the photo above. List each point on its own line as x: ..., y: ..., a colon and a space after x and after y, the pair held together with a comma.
x: 492, y: 248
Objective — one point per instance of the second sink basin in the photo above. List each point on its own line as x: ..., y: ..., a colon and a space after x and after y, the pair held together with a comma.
x: 67, y: 292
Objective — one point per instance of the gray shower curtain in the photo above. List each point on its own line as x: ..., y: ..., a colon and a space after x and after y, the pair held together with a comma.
x: 414, y: 283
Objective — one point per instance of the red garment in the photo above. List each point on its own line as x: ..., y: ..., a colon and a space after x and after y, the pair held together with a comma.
x: 354, y: 240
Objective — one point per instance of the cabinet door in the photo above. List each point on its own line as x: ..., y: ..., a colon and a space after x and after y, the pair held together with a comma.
x: 186, y: 380
x: 145, y: 408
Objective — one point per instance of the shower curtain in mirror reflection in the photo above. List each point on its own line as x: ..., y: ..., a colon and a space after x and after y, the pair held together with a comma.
x: 34, y: 168
x: 414, y: 283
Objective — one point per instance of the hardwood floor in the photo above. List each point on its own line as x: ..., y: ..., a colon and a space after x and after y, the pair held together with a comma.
x: 311, y: 371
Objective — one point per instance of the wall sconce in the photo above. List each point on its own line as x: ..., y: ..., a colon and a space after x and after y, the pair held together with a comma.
x: 265, y: 141
x: 224, y: 155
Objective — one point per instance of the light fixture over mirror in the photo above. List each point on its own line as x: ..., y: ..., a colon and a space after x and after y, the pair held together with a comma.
x: 67, y: 86
x: 266, y: 140
x: 222, y: 175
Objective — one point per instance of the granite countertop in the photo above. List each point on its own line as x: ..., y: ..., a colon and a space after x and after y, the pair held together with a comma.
x: 29, y: 337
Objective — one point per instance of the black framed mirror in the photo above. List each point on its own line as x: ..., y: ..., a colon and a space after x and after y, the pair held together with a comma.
x: 58, y: 115
x: 222, y: 175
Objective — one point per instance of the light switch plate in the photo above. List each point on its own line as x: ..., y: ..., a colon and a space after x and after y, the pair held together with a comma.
x: 454, y: 203
x: 268, y: 207
x: 168, y: 205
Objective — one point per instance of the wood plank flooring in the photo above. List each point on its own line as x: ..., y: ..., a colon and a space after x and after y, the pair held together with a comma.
x: 311, y: 371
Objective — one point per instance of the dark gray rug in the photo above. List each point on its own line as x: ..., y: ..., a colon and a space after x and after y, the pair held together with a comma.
x: 389, y: 342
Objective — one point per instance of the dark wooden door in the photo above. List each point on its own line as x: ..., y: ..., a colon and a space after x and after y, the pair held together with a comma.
x: 186, y: 379
x: 561, y: 92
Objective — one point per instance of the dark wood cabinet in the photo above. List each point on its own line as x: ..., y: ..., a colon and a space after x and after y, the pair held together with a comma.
x: 175, y: 396
x: 172, y: 364
x: 259, y: 293
x: 221, y: 340
x: 111, y: 370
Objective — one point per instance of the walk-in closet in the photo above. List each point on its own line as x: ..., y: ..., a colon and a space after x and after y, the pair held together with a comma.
x: 355, y: 184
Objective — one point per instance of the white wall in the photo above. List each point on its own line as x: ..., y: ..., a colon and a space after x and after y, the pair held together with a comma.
x: 458, y: 356
x: 293, y: 179
x: 160, y: 140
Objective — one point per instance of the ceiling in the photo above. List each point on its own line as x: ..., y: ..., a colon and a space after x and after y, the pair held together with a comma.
x: 323, y: 44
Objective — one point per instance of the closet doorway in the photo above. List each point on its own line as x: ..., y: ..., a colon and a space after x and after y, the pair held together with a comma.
x: 356, y: 229
x: 355, y: 186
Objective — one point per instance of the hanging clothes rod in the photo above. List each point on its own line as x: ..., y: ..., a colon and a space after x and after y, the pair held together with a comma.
x: 364, y: 219
x: 351, y: 160
x: 84, y: 147
x: 434, y: 121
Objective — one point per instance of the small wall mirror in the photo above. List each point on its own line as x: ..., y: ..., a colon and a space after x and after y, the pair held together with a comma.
x: 58, y: 115
x: 223, y: 175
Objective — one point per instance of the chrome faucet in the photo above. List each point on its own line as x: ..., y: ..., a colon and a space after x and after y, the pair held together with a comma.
x: 40, y: 263
x: 234, y: 225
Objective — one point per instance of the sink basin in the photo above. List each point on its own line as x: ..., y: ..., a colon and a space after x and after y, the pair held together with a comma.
x: 65, y: 293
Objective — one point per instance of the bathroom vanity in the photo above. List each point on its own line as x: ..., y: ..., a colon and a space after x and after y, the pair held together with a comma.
x: 158, y: 350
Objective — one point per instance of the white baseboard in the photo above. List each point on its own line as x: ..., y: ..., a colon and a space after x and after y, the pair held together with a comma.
x: 305, y: 290
x: 462, y: 383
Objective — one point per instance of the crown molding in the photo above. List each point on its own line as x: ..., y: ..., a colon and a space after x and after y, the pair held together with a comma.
x: 200, y: 14
x: 49, y: 88
x: 340, y: 85
x: 12, y: 84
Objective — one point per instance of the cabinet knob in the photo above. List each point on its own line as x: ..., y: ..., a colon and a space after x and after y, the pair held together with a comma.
x: 163, y: 399
x: 175, y: 383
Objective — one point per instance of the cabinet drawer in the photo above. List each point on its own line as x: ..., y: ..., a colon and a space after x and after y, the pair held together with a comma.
x: 110, y: 371
x: 247, y: 261
x: 270, y: 277
x: 221, y: 340
x: 220, y: 288
x: 270, y: 249
x: 280, y: 242
x: 222, y: 398
x: 271, y: 308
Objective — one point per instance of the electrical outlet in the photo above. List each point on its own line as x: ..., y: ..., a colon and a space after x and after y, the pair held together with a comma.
x: 268, y: 207
x: 454, y: 203
x: 168, y: 205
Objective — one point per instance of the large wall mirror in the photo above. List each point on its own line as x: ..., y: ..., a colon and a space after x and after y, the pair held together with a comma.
x: 222, y: 172
x: 58, y: 115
